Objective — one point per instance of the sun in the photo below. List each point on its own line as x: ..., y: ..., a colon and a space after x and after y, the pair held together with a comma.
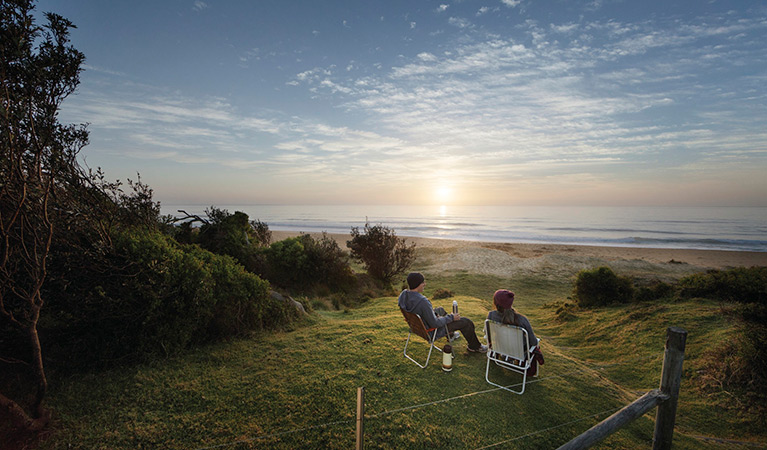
x: 443, y: 194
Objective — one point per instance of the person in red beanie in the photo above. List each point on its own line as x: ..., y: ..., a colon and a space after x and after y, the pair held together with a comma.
x: 503, y: 299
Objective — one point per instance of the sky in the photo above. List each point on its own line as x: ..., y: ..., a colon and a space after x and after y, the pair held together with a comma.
x: 459, y: 102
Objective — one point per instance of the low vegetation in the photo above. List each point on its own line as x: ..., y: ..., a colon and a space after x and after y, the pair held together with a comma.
x: 601, y: 286
x: 383, y: 254
x: 735, y: 370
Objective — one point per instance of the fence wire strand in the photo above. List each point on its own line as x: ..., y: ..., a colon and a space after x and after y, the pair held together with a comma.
x: 445, y: 400
x: 536, y: 380
x: 551, y: 428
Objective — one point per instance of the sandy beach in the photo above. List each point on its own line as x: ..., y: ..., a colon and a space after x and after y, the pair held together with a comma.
x: 504, y: 259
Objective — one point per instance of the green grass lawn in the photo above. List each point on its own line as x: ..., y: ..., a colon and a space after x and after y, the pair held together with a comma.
x: 297, y: 389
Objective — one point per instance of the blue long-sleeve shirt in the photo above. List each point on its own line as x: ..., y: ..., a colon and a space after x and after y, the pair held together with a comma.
x: 414, y: 302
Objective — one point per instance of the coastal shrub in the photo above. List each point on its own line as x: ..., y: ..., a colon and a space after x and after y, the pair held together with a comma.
x: 234, y: 235
x: 303, y: 263
x: 737, y: 370
x: 740, y: 284
x: 287, y: 262
x: 148, y: 295
x: 600, y: 287
x: 383, y: 254
x: 654, y: 291
x: 261, y: 233
x: 442, y: 293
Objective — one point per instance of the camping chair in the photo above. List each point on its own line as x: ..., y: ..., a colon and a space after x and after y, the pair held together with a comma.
x: 508, y: 349
x: 417, y: 326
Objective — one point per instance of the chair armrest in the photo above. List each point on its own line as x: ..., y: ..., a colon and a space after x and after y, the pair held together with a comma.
x: 537, y: 345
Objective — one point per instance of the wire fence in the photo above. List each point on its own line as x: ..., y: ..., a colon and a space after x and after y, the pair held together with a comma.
x: 450, y: 399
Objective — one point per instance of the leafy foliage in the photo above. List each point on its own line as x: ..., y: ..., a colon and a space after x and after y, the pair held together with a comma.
x: 654, y: 291
x: 233, y: 235
x: 303, y: 262
x: 152, y: 296
x: 262, y: 237
x: 227, y: 233
x: 740, y: 284
x: 383, y: 254
x: 601, y: 286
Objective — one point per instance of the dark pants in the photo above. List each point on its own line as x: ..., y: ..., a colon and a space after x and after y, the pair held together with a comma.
x: 466, y: 327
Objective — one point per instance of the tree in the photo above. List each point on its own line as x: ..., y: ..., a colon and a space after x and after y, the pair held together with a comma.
x: 381, y: 251
x: 39, y: 69
x: 227, y: 234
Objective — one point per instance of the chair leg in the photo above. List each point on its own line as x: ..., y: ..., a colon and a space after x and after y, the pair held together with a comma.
x: 507, y: 388
x: 431, y: 348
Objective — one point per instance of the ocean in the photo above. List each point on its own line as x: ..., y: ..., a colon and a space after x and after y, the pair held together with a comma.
x: 710, y: 228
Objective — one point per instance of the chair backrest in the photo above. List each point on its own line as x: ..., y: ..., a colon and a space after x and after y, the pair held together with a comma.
x: 509, y: 340
x: 416, y: 324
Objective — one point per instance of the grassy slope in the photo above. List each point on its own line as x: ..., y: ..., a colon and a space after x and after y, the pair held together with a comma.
x: 277, y: 383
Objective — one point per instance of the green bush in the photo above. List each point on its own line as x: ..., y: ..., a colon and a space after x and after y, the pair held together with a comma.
x: 442, y: 293
x: 600, y: 287
x: 149, y: 295
x: 654, y: 291
x: 303, y: 263
x: 741, y: 284
x: 287, y: 262
x: 383, y: 254
x: 233, y: 235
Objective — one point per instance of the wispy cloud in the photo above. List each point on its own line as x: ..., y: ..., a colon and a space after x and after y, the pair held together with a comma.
x: 199, y: 5
x: 460, y: 22
x: 497, y: 100
x: 588, y: 102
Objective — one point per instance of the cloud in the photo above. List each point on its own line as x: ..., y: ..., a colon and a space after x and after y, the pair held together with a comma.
x: 460, y: 22
x: 425, y: 56
x: 511, y: 3
x: 556, y: 104
x: 199, y: 5
x: 442, y: 8
x: 589, y: 102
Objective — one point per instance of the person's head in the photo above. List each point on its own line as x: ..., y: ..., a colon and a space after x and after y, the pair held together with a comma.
x: 415, y: 281
x: 503, y: 299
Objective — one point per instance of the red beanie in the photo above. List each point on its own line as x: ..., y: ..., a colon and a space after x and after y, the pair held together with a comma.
x: 503, y: 298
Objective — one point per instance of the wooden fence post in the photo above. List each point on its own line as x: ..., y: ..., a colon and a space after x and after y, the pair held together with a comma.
x: 670, y: 380
x: 360, y: 415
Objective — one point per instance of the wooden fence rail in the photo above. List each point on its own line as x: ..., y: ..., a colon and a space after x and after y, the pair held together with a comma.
x: 665, y: 399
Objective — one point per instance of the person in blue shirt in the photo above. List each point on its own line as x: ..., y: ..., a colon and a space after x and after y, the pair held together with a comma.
x: 413, y: 300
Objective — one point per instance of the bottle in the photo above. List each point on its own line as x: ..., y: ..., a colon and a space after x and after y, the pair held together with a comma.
x: 455, y: 307
x: 447, y: 358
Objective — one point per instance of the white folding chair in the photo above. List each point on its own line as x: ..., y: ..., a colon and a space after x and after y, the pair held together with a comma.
x: 416, y: 325
x: 508, y: 349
